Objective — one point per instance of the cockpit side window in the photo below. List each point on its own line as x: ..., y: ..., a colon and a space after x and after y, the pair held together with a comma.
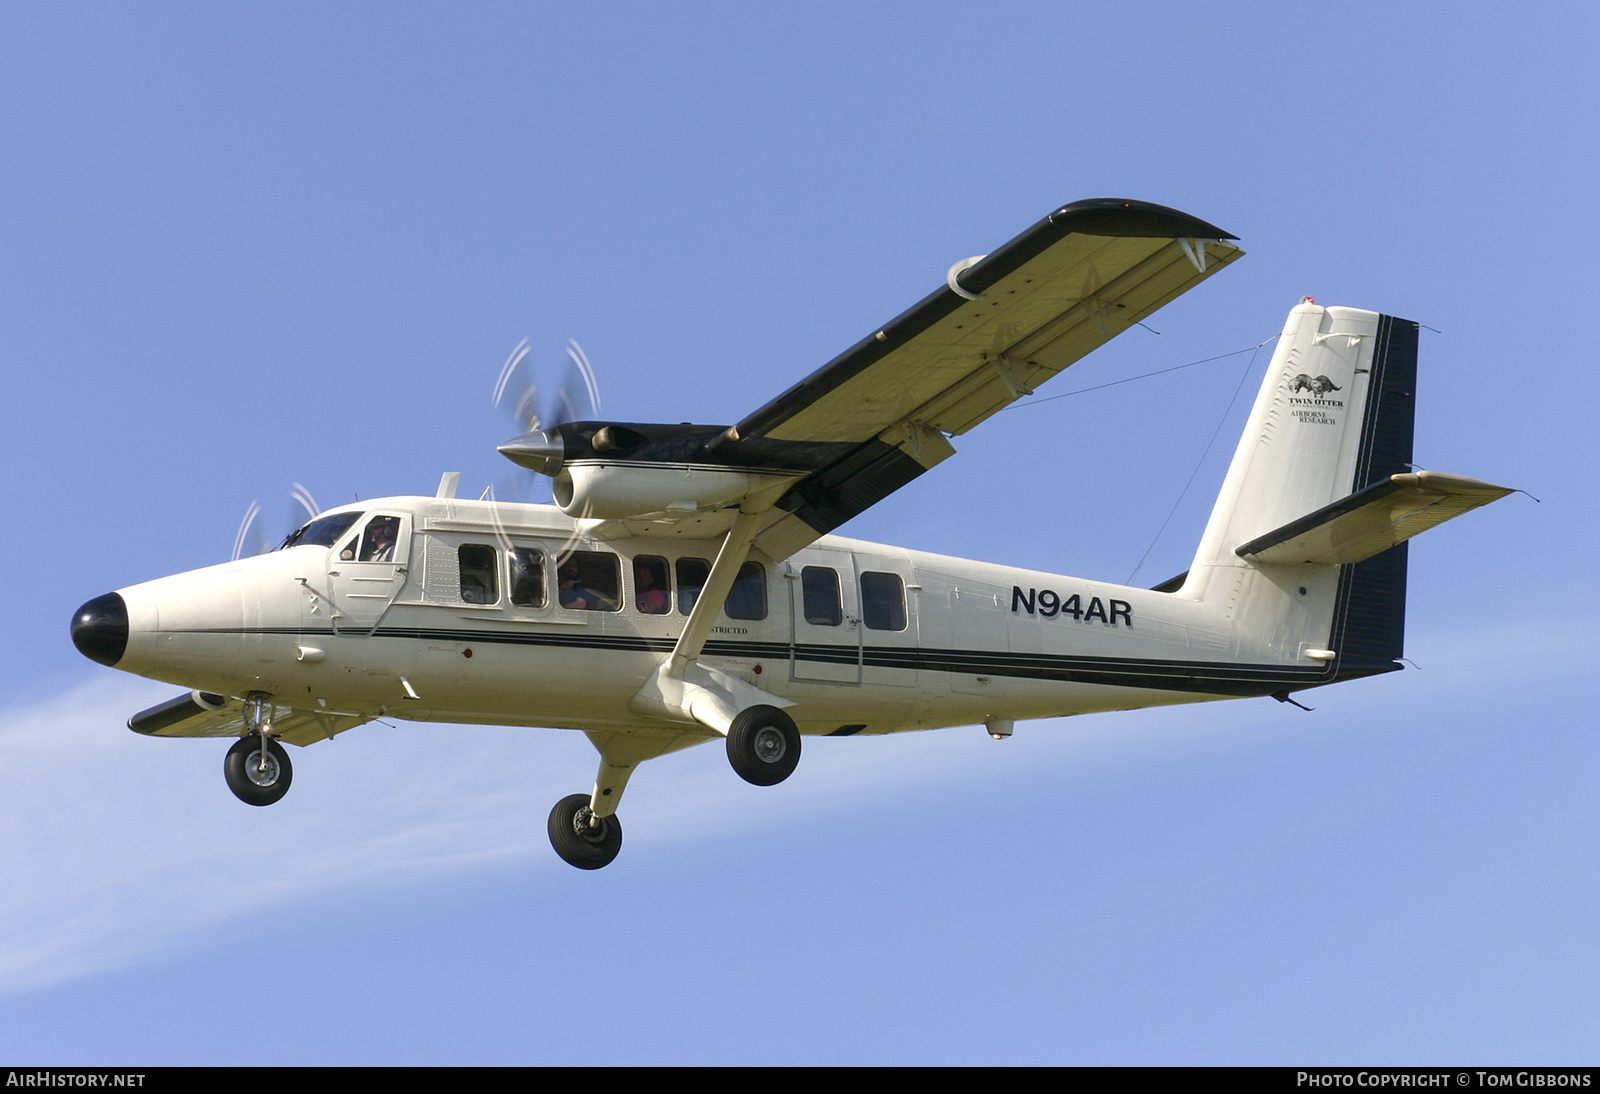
x: 321, y: 532
x: 377, y: 542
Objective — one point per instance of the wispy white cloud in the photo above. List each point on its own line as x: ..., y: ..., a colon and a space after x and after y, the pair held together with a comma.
x: 116, y: 848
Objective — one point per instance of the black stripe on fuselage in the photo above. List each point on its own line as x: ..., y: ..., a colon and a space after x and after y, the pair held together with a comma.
x: 1205, y: 677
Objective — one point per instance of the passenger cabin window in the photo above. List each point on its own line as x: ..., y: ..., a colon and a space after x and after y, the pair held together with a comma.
x: 819, y: 596
x: 748, y: 597
x: 692, y: 574
x: 477, y: 564
x: 527, y: 577
x: 652, y: 589
x: 591, y: 581
x: 377, y: 542
x: 883, y: 602
x: 746, y: 600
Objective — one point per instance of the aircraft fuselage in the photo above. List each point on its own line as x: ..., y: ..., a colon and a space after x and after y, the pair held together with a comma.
x: 861, y: 637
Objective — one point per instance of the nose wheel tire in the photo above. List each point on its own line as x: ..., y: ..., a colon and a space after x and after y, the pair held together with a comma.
x: 763, y: 745
x: 582, y: 839
x: 257, y: 776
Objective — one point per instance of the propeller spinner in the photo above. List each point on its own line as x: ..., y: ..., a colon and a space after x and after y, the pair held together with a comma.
x: 540, y: 448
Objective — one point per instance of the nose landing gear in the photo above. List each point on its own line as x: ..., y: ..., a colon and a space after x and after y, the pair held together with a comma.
x: 256, y: 767
x: 258, y: 770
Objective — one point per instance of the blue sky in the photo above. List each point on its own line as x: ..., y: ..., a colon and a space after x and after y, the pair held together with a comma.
x: 251, y: 245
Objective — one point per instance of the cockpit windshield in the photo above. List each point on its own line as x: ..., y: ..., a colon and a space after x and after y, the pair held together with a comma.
x: 320, y: 532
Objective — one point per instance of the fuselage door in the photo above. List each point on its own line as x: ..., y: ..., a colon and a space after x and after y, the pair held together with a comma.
x: 367, y: 570
x: 826, y: 633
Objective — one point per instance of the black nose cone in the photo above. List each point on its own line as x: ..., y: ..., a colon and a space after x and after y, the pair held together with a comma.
x: 100, y: 629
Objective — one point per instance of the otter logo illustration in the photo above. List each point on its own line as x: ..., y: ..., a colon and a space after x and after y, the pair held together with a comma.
x: 1317, y: 385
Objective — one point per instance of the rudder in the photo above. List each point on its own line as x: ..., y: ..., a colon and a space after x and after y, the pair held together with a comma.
x: 1369, y: 622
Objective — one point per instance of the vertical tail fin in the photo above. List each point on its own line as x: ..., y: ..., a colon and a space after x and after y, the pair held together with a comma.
x: 1334, y: 415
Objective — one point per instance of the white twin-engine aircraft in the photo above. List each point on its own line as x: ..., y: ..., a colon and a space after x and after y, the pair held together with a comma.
x: 685, y: 586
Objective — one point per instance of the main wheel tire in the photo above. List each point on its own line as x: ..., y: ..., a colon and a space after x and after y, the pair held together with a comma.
x: 763, y: 745
x: 588, y: 846
x: 253, y: 779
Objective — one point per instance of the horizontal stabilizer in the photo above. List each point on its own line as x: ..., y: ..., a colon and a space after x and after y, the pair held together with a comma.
x: 1371, y: 521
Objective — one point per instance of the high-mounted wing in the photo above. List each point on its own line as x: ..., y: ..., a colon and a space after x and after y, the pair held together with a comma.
x: 879, y: 414
x: 203, y: 714
x: 1000, y: 327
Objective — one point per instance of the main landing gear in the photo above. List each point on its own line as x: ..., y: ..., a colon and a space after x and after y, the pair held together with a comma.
x: 256, y: 767
x: 581, y: 838
x: 763, y: 745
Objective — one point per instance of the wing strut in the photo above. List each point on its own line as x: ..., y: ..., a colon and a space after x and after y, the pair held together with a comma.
x: 719, y: 582
x: 682, y: 689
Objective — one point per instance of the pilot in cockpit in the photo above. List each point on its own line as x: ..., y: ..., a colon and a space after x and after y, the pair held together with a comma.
x: 377, y: 542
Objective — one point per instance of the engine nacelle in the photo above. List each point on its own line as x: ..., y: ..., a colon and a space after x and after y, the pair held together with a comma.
x: 609, y: 491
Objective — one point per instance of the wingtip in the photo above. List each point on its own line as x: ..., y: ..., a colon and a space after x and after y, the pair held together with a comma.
x: 1131, y: 217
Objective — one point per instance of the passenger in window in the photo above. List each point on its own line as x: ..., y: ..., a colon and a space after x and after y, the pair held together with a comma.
x: 650, y: 585
x: 589, y: 582
x: 573, y: 594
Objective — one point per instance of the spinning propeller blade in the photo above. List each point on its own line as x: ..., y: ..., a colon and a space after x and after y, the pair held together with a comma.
x: 303, y: 496
x: 250, y: 540
x: 516, y: 391
x: 570, y: 390
x: 517, y: 394
x: 244, y: 529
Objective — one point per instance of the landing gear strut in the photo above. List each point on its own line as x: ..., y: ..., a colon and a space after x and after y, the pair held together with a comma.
x: 763, y: 745
x: 581, y: 838
x: 256, y: 767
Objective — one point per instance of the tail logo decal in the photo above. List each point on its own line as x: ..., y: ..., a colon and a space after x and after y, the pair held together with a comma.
x: 1317, y: 408
x: 1317, y: 385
